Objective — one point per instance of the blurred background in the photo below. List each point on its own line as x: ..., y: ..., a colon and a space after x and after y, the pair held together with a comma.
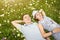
x: 14, y: 9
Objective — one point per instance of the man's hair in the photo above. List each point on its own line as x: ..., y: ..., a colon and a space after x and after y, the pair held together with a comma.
x: 24, y: 14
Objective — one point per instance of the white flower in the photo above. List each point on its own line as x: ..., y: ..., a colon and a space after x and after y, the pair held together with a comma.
x: 24, y: 39
x: 17, y: 31
x: 8, y: 13
x: 0, y: 24
x: 46, y: 1
x: 2, y: 15
x: 18, y: 35
x: 21, y: 13
x: 59, y: 12
x: 37, y: 0
x: 33, y: 0
x: 24, y: 8
x: 19, y: 9
x: 4, y: 20
x: 19, y: 16
x: 8, y: 4
x: 15, y: 4
x: 59, y: 17
x: 4, y: 0
x: 15, y: 36
x: 2, y: 9
x: 55, y: 10
x: 5, y: 38
x: 14, y: 29
x: 11, y: 10
x: 32, y: 8
x: 41, y: 5
x: 8, y: 21
x: 52, y: 2
x: 14, y: 10
x: 0, y: 32
x: 5, y: 5
x: 30, y: 4
x: 49, y: 6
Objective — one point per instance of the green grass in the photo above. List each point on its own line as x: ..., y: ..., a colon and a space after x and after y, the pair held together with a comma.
x: 13, y: 10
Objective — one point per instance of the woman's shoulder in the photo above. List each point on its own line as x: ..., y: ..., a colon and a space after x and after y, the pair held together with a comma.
x: 35, y: 23
x: 47, y: 17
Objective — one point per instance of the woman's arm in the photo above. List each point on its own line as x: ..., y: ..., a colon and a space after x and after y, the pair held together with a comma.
x: 43, y: 12
x: 44, y: 34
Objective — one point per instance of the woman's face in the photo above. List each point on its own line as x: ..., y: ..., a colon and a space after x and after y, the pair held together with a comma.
x: 26, y: 18
x: 38, y: 15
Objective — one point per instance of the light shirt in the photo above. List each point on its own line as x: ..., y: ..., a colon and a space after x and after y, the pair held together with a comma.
x: 30, y: 31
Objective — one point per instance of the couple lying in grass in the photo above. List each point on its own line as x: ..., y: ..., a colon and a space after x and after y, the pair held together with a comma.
x: 35, y: 31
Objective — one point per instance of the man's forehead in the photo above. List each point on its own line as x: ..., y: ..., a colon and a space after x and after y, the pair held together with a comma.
x: 26, y: 15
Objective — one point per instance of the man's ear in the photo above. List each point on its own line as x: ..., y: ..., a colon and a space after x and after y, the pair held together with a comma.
x: 35, y: 18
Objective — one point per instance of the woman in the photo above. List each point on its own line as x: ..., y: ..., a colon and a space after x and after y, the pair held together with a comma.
x: 47, y: 23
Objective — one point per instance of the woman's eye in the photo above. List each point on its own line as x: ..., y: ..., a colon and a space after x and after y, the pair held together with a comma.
x: 37, y: 15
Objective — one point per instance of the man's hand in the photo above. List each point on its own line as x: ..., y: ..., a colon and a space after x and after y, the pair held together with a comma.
x: 16, y: 22
x: 56, y: 30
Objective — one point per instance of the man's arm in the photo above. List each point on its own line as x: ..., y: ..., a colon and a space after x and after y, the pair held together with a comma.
x: 56, y: 30
x: 47, y: 38
x: 16, y: 24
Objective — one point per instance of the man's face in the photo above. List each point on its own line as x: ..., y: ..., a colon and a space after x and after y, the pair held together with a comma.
x: 26, y: 18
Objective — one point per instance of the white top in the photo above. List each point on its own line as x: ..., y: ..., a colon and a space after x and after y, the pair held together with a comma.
x: 49, y: 25
x: 30, y: 31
